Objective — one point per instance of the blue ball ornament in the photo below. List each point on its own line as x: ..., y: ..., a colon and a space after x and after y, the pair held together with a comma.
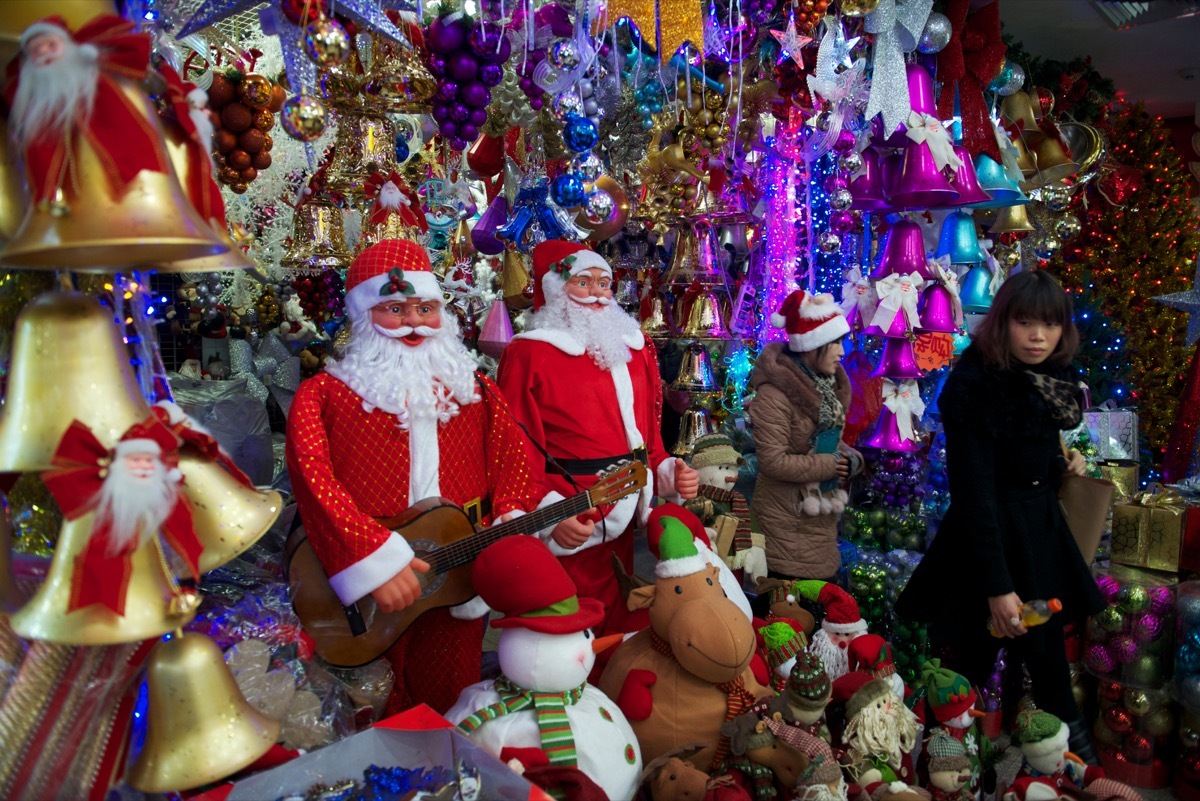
x: 567, y: 190
x: 579, y: 133
x: 401, y: 150
x: 1189, y: 610
x: 1187, y: 659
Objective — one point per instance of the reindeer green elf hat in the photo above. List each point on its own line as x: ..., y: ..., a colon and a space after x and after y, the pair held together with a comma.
x: 677, y: 552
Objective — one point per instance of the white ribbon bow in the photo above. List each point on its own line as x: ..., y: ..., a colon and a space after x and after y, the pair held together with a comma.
x: 949, y: 280
x: 929, y: 129
x: 996, y: 270
x: 897, y: 25
x: 1008, y: 154
x: 904, y: 401
x: 858, y: 298
x: 897, y: 293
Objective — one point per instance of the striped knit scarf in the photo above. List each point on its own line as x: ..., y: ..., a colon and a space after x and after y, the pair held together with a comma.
x: 740, y: 509
x: 738, y: 699
x: 551, y: 711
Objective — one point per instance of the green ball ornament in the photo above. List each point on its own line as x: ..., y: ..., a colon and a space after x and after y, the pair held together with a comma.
x: 1133, y: 599
x: 1138, y: 702
x: 912, y: 542
x: 1111, y: 619
x: 1145, y: 671
x: 1159, y: 722
x: 877, y: 518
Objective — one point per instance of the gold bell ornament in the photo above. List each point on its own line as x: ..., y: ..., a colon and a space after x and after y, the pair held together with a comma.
x: 515, y: 281
x: 199, y: 728
x: 12, y: 195
x: 693, y: 424
x: 695, y: 371
x: 397, y: 80
x: 366, y: 142
x: 656, y: 315
x: 153, y: 602
x: 68, y: 363
x: 179, y: 150
x: 1053, y: 162
x: 318, y: 238
x: 1010, y: 219
x: 228, y: 515
x: 1017, y: 108
x: 78, y: 220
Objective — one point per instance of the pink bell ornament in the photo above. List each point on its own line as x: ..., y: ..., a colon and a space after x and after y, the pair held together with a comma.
x: 921, y: 185
x: 902, y: 407
x: 903, y: 252
x: 966, y: 181
x: 896, y: 314
x: 497, y: 330
x: 868, y: 188
x: 937, y: 311
x: 898, y: 360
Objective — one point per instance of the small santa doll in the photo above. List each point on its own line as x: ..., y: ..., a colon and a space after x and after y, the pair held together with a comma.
x: 842, y: 623
x: 880, y: 732
x: 396, y: 209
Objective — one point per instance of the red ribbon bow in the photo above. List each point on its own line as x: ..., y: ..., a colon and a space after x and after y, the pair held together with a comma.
x: 970, y: 61
x: 81, y: 462
x: 124, y: 138
x: 204, y: 444
x: 201, y: 187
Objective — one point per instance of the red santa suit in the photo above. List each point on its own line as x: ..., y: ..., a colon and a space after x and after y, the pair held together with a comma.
x: 587, y: 418
x: 351, y: 466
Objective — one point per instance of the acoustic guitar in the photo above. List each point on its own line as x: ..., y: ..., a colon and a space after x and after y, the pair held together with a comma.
x: 441, y: 534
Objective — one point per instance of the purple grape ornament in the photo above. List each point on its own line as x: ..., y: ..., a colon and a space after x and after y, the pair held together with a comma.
x: 476, y: 95
x: 462, y: 66
x: 446, y: 36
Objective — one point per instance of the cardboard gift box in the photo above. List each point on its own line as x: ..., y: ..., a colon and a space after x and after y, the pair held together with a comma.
x: 1114, y: 431
x: 1151, y: 530
x: 418, y: 738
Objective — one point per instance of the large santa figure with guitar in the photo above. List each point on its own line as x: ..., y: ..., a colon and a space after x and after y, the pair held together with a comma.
x: 583, y: 380
x: 402, y: 417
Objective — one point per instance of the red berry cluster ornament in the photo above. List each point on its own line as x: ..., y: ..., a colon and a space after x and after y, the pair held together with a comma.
x: 245, y: 105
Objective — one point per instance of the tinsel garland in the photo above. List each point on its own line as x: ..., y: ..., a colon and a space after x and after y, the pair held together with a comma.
x: 1130, y: 253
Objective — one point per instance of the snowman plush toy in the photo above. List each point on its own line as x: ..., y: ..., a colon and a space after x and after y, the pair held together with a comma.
x: 542, y: 704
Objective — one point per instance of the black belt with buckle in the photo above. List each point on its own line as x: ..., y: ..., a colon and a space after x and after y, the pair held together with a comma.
x: 590, y: 467
x: 477, y: 510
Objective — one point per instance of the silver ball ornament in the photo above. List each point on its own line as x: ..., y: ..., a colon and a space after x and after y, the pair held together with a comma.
x: 591, y: 108
x: 1047, y: 245
x: 564, y: 54
x: 936, y: 34
x: 598, y: 206
x: 588, y: 165
x: 568, y: 103
x: 1007, y: 257
x: 841, y: 199
x: 850, y: 163
x: 829, y: 242
x: 1056, y: 196
x: 1016, y: 79
x: 1067, y: 226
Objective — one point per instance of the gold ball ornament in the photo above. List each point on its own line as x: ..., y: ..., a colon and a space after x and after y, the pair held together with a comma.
x: 1159, y: 722
x: 239, y: 188
x: 326, y: 42
x: 858, y: 8
x: 255, y: 90
x: 303, y: 118
x: 1138, y: 702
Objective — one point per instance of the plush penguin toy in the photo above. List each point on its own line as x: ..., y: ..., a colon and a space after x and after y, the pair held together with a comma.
x: 542, y: 700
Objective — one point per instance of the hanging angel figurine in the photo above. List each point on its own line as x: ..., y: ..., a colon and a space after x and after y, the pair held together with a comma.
x: 859, y: 300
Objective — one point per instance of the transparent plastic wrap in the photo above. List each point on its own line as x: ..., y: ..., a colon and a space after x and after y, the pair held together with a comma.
x: 1132, y: 640
x: 235, y: 418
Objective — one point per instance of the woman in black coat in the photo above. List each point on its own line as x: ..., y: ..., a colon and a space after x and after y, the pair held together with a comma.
x: 1004, y: 540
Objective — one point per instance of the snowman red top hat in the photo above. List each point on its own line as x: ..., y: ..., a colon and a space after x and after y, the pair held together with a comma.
x: 558, y: 260
x: 810, y: 320
x: 393, y: 269
x: 521, y: 578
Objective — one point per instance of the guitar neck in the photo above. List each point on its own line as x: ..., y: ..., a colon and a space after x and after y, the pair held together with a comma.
x: 465, y: 550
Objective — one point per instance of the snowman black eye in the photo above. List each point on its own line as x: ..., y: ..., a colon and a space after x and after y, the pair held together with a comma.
x: 678, y: 590
x: 709, y: 582
x: 587, y: 635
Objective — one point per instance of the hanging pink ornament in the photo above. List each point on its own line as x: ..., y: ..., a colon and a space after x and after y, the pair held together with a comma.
x: 497, y: 330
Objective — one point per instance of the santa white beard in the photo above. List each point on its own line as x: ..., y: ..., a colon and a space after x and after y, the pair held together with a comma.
x: 603, y: 332
x: 51, y: 99
x: 197, y: 101
x: 837, y: 664
x: 878, y: 732
x: 390, y: 196
x: 427, y: 381
x: 134, y: 507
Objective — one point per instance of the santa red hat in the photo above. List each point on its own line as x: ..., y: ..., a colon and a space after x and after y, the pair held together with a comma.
x: 519, y: 577
x: 841, y: 610
x: 870, y: 653
x: 152, y: 437
x: 810, y: 320
x: 558, y: 260
x: 394, y: 269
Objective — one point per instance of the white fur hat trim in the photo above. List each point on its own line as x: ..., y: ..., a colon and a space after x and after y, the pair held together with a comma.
x: 129, y: 447
x: 856, y: 627
x: 366, y: 295
x: 678, y: 568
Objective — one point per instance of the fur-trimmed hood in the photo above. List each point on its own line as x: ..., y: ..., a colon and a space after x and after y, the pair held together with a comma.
x: 777, y: 367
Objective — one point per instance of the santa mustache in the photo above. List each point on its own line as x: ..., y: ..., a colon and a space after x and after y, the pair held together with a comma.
x: 592, y: 299
x: 405, y: 330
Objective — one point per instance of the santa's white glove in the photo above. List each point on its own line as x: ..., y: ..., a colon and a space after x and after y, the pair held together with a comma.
x: 755, y: 563
x: 471, y: 610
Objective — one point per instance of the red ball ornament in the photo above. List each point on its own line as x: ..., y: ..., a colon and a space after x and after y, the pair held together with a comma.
x: 1111, y: 691
x: 1189, y: 766
x: 1139, y: 749
x: 1119, y: 720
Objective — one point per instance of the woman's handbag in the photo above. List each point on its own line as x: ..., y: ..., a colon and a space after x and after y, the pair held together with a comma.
x: 1085, y: 503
